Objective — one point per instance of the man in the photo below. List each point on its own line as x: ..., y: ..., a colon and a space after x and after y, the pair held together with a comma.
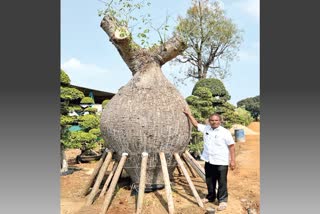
x: 218, y: 153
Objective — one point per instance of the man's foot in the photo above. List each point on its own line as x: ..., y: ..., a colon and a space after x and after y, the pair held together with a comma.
x: 222, y: 206
x: 205, y: 200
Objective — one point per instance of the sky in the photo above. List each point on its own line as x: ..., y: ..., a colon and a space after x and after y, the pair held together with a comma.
x: 90, y: 60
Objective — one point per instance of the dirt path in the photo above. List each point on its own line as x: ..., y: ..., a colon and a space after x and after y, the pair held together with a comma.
x: 243, y: 184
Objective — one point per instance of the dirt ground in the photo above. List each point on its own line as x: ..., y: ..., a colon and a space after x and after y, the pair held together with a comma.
x: 243, y: 187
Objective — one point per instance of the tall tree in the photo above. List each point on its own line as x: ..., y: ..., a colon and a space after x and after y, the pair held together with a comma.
x: 213, y: 41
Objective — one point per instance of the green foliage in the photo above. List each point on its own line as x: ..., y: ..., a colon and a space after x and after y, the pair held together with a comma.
x: 68, y: 93
x: 213, y: 41
x: 216, y: 87
x: 196, y: 148
x: 75, y: 108
x: 91, y: 110
x: 244, y: 116
x: 81, y: 140
x: 104, y: 103
x: 64, y: 78
x: 95, y: 131
x: 251, y: 104
x: 67, y: 120
x: 87, y: 100
x: 89, y: 121
x: 129, y: 15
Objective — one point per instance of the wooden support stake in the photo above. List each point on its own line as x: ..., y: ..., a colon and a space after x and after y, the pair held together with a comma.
x: 100, y: 176
x: 189, y: 167
x: 200, y: 171
x: 193, y: 189
x: 113, y: 184
x: 105, y: 186
x: 179, y: 170
x: 142, y: 182
x: 94, y: 174
x: 194, y: 161
x: 167, y: 182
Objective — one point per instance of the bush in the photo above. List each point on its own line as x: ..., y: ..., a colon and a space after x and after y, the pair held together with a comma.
x: 104, y: 103
x: 64, y: 78
x: 89, y: 121
x: 87, y: 100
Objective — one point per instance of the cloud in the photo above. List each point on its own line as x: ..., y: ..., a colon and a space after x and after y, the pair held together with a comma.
x: 86, y: 75
x: 74, y: 65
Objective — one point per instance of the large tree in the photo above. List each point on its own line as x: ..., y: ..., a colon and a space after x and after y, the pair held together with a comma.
x: 213, y: 41
x: 146, y: 114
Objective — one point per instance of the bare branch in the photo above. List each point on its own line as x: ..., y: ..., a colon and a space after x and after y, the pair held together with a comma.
x: 169, y: 50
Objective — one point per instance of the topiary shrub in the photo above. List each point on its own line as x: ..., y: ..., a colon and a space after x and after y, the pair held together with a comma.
x: 87, y: 100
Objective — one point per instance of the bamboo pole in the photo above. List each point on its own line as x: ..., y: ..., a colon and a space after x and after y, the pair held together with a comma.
x: 105, y: 186
x: 167, y: 182
x: 193, y: 189
x: 100, y: 176
x: 194, y: 161
x: 113, y: 184
x: 94, y: 174
x: 189, y: 167
x: 142, y: 182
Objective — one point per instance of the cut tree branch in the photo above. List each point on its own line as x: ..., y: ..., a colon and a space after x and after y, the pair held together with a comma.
x: 169, y: 50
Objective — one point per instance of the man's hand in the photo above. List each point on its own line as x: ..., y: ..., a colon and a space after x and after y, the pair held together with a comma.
x: 232, y: 165
x: 186, y: 111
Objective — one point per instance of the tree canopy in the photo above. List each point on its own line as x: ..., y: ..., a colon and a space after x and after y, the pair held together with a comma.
x: 212, y: 38
x: 251, y: 104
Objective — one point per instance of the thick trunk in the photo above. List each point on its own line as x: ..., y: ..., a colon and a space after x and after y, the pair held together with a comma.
x: 146, y: 115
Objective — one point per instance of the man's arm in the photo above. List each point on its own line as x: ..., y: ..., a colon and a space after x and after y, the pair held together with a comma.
x: 190, y: 117
x: 232, y: 156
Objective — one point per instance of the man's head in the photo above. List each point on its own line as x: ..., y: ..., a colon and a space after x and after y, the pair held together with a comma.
x: 215, y: 120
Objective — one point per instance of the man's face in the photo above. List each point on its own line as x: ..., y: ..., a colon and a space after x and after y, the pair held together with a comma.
x: 214, y: 121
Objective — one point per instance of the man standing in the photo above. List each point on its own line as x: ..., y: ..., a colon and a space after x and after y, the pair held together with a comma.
x: 218, y: 153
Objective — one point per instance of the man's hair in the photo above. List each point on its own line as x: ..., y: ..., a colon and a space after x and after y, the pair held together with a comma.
x: 218, y: 115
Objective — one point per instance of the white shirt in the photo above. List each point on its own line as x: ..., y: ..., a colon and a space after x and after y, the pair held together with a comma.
x: 216, y: 142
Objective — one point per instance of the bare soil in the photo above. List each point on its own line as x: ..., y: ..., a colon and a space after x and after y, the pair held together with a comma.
x: 243, y: 186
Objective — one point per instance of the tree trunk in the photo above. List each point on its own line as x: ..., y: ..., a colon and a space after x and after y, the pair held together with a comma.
x: 63, y: 160
x: 146, y: 115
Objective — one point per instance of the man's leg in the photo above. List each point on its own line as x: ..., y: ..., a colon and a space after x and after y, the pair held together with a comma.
x: 222, y: 184
x: 211, y: 177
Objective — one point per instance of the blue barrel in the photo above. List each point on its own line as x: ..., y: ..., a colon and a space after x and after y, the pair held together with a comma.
x: 239, y: 135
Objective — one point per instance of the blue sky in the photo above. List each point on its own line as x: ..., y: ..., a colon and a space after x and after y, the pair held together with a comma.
x: 90, y: 60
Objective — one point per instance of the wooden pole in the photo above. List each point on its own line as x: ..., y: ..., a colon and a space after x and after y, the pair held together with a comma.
x: 142, y: 182
x: 194, y: 161
x: 94, y: 174
x: 167, y: 182
x: 179, y: 170
x: 200, y: 171
x: 113, y: 184
x: 189, y: 167
x: 105, y: 186
x: 185, y: 172
x: 100, y: 176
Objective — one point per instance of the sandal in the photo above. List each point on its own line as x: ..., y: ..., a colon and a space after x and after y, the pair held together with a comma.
x: 205, y: 200
x: 222, y: 206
